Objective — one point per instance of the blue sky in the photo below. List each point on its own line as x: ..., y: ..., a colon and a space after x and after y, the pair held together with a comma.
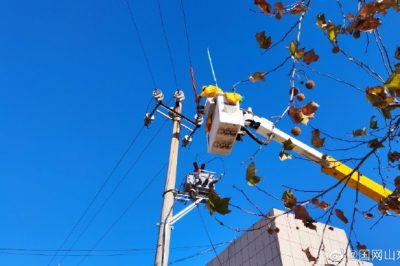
x: 74, y: 90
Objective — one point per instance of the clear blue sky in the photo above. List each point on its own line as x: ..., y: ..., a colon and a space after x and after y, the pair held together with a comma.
x: 74, y: 89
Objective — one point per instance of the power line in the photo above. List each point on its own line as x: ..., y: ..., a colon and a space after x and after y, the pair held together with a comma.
x: 121, y: 180
x: 186, y: 33
x: 116, y: 221
x: 113, y: 252
x: 171, y: 59
x: 75, y: 226
x: 209, y: 236
x: 201, y: 252
x: 132, y: 17
x: 102, y: 250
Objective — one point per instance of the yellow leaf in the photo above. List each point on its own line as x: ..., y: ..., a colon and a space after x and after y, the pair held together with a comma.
x: 292, y: 48
x: 393, y: 83
x: 299, y: 53
x: 332, y: 35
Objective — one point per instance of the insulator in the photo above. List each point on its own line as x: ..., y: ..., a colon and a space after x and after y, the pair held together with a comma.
x: 158, y: 95
x: 179, y: 96
x: 198, y: 118
x: 148, y: 119
x: 186, y: 140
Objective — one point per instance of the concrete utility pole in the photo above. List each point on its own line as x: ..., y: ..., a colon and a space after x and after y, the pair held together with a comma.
x: 164, y: 233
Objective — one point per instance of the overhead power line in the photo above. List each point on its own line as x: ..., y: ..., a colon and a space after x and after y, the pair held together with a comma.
x: 171, y: 58
x: 116, y: 221
x: 98, y: 192
x: 116, y: 187
x: 137, y: 32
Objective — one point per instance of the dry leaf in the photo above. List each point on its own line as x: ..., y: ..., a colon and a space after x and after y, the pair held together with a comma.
x: 375, y: 144
x: 310, y: 56
x: 341, y: 216
x: 360, y: 132
x: 263, y: 41
x: 264, y: 6
x: 316, y: 140
x: 320, y: 204
x: 321, y: 23
x: 298, y: 9
x: 368, y: 215
x: 257, y: 76
x: 373, y: 123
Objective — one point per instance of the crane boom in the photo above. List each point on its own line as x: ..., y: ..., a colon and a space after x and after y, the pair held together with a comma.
x: 225, y: 124
x: 329, y: 165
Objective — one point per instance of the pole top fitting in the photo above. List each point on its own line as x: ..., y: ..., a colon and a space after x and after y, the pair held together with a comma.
x: 158, y: 95
x: 179, y: 96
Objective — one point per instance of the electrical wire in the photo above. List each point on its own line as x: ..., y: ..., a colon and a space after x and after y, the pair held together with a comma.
x: 209, y: 237
x: 171, y: 59
x: 197, y: 254
x: 186, y: 34
x: 113, y: 252
x: 116, y: 187
x: 98, y: 192
x: 116, y: 221
x: 146, y: 58
x: 102, y: 250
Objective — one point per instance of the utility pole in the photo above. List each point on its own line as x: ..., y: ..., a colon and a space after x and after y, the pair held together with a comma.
x: 164, y: 233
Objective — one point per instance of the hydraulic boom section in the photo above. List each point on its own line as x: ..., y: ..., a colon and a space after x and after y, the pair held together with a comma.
x: 225, y: 130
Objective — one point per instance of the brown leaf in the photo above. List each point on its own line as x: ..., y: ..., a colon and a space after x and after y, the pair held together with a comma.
x: 301, y: 213
x: 289, y: 199
x: 310, y: 56
x: 298, y: 9
x: 394, y: 156
x: 379, y: 97
x: 299, y: 53
x: 295, y: 114
x: 321, y: 22
x: 263, y: 41
x: 279, y: 7
x: 257, y: 76
x: 310, y: 108
x: 373, y: 123
x: 264, y: 6
x: 368, y: 215
x: 368, y: 24
x: 316, y: 140
x: 350, y: 16
x: 341, y: 216
x: 360, y: 132
x: 375, y: 144
x: 320, y: 204
x: 308, y: 254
